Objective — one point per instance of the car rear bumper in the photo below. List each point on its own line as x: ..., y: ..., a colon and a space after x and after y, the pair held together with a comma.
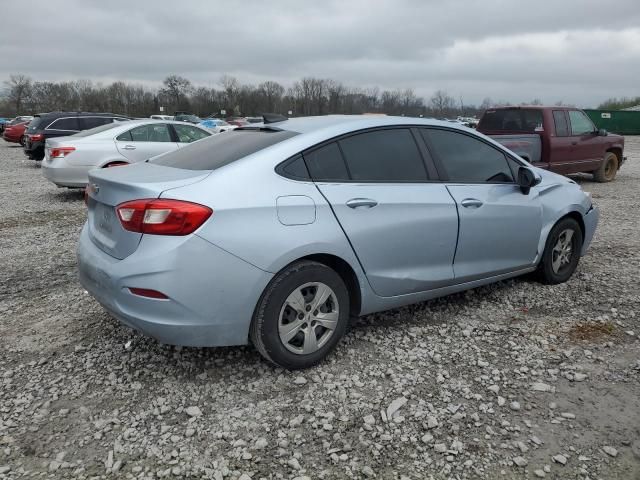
x: 63, y: 175
x: 590, y: 223
x: 212, y: 294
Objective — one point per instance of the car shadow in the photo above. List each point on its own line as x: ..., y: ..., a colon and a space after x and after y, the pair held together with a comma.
x: 66, y: 195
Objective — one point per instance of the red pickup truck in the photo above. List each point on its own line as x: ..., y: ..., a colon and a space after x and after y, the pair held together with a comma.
x: 561, y: 139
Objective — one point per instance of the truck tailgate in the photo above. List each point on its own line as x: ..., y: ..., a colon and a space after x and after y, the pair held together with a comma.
x: 527, y: 146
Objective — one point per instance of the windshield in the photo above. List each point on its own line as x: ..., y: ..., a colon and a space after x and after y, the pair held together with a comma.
x: 220, y: 150
x: 512, y: 120
x: 189, y: 118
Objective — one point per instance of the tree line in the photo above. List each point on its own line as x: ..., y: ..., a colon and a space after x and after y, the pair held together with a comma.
x: 22, y: 95
x: 619, y: 103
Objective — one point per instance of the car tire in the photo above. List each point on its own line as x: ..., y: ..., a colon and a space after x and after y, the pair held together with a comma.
x: 315, y: 324
x: 608, y: 170
x: 562, y: 252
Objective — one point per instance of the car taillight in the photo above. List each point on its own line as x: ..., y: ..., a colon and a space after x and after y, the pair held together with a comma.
x: 162, y: 217
x: 60, y: 152
x: 36, y: 137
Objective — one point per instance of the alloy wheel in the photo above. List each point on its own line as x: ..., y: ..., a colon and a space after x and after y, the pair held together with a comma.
x: 562, y: 251
x: 308, y: 318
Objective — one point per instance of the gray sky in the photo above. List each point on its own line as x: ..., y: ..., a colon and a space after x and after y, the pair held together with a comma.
x: 578, y: 51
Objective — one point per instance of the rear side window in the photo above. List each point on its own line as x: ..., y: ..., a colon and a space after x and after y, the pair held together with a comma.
x: 512, y: 120
x: 188, y: 133
x: 580, y: 123
x: 466, y: 159
x: 93, y: 122
x: 296, y: 169
x: 150, y: 133
x: 560, y: 119
x: 384, y: 156
x: 326, y: 163
x: 68, y: 124
x: 220, y: 150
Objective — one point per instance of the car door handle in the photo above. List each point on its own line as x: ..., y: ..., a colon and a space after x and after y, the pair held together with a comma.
x: 361, y: 202
x: 574, y: 143
x: 471, y: 203
x: 129, y: 147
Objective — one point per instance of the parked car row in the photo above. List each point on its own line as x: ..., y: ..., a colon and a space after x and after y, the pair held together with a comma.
x: 10, y: 122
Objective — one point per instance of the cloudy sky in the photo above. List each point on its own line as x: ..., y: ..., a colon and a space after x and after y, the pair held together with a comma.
x: 577, y: 51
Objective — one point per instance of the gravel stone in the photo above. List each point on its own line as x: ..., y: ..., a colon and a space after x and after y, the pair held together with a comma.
x: 612, y: 452
x: 520, y: 461
x: 561, y: 459
x: 193, y: 411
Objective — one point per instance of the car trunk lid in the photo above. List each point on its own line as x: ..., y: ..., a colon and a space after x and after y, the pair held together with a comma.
x: 112, y: 186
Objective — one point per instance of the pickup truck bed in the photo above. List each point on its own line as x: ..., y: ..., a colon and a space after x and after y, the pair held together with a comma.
x: 527, y: 146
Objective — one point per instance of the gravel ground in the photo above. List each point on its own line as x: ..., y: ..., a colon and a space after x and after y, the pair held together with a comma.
x: 515, y: 380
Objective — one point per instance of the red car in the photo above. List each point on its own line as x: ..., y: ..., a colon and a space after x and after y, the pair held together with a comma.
x: 15, y: 133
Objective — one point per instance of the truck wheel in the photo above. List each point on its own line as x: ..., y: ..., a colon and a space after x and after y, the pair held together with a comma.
x: 608, y: 169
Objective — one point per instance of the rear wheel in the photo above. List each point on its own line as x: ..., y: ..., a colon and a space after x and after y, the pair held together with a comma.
x: 608, y: 170
x: 562, y: 252
x: 301, y: 316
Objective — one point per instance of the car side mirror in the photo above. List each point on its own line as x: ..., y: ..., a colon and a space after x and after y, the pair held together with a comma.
x: 527, y: 178
x: 602, y: 132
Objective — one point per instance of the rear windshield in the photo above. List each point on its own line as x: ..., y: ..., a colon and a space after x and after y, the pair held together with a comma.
x: 221, y: 149
x: 101, y: 128
x: 511, y: 120
x: 35, y: 124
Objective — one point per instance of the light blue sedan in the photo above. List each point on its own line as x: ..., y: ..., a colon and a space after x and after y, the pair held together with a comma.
x: 277, y: 234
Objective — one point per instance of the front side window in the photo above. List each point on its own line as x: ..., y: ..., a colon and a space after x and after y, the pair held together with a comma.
x: 384, y: 156
x: 68, y: 124
x: 580, y: 123
x: 466, y: 159
x: 149, y: 133
x: 560, y: 119
x: 188, y: 134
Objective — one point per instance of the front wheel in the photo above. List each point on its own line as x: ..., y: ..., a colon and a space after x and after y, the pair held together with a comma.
x: 562, y: 252
x: 301, y: 316
x: 608, y: 170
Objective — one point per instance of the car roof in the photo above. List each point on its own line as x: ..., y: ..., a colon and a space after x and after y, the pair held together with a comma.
x: 348, y: 123
x: 79, y: 114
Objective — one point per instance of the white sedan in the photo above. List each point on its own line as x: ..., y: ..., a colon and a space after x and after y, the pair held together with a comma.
x: 67, y: 160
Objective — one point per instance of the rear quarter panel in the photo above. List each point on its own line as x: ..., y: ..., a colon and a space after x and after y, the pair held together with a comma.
x: 245, y: 222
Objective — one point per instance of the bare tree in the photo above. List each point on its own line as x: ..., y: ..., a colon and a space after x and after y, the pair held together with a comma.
x: 176, y: 88
x: 17, y: 90
x: 442, y: 103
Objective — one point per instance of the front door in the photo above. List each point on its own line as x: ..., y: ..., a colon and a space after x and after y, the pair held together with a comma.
x: 499, y: 226
x: 402, y: 227
x: 586, y: 147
